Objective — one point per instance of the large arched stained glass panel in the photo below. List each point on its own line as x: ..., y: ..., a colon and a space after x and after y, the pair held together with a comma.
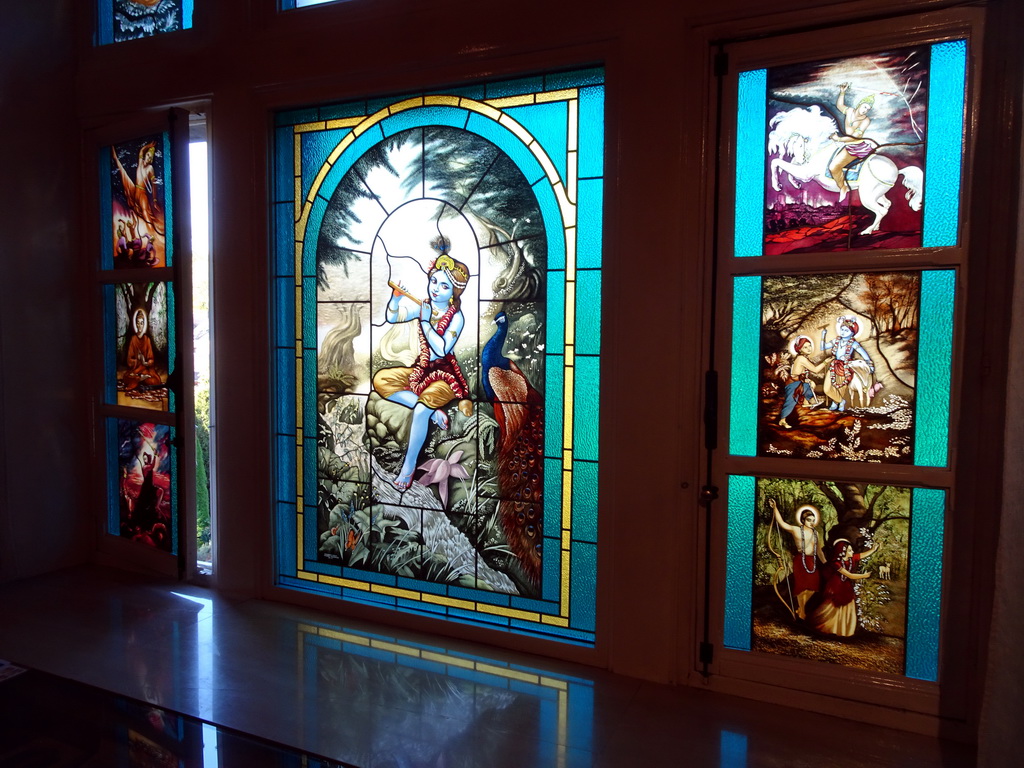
x: 438, y: 330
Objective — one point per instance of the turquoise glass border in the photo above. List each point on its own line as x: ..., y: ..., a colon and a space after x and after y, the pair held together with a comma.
x: 739, y: 562
x: 751, y: 140
x: 935, y: 344
x: 924, y: 590
x: 582, y: 556
x: 946, y: 100
x: 746, y: 345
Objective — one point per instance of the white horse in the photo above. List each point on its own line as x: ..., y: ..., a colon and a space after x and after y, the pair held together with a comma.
x: 803, y: 136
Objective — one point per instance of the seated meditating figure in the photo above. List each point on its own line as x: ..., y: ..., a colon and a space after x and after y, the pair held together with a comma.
x: 141, y: 368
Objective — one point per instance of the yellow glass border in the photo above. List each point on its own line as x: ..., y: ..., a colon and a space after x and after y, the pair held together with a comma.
x: 565, y: 192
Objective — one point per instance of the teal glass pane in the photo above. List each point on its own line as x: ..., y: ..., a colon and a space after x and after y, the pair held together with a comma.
x: 584, y: 585
x: 750, y: 151
x: 924, y: 598
x: 316, y: 148
x: 284, y: 462
x: 555, y: 336
x: 514, y: 87
x: 454, y: 117
x: 739, y: 562
x: 588, y: 312
x: 546, y: 122
x: 586, y: 408
x: 284, y: 359
x: 284, y: 238
x: 590, y: 219
x: 584, y: 496
x: 109, y: 348
x: 931, y: 438
x: 590, y: 163
x: 285, y: 517
x: 552, y: 215
x: 944, y: 151
x: 552, y: 491
x: 746, y: 325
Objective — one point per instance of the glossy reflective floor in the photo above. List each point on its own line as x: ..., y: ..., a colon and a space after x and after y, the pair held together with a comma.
x: 372, y: 697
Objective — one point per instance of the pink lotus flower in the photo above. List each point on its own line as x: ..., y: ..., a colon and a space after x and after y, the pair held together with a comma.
x: 439, y: 470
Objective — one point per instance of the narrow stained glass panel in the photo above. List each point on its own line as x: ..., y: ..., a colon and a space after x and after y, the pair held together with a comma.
x: 139, y: 199
x: 121, y: 20
x: 141, y: 344
x: 141, y: 479
x: 434, y: 350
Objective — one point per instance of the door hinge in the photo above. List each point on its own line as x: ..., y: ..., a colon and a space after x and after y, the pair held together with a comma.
x: 707, y: 653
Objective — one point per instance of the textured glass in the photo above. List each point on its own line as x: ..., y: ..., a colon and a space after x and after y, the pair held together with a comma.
x: 454, y: 117
x: 746, y: 322
x: 750, y: 152
x: 925, y: 594
x: 931, y: 440
x: 588, y: 324
x: 466, y: 508
x: 945, y: 143
x: 590, y: 218
x: 584, y: 491
x: 587, y: 396
x: 554, y: 406
x: 738, y: 562
x: 546, y: 123
x: 555, y: 334
x: 584, y: 585
x: 316, y: 147
x: 591, y: 146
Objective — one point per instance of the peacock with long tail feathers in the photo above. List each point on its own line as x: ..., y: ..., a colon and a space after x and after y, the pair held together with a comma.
x: 519, y: 411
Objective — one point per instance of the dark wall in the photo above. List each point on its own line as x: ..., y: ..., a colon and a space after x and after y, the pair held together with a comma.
x: 44, y: 446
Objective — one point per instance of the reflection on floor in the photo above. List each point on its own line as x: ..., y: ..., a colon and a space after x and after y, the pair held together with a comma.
x: 57, y: 723
x: 379, y: 698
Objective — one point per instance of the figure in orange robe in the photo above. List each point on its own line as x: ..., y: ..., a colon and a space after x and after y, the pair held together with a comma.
x: 141, y: 368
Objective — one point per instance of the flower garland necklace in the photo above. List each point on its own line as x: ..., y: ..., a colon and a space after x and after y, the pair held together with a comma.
x: 845, y: 565
x: 814, y: 560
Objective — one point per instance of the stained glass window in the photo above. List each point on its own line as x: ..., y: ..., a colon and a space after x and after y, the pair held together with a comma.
x: 120, y: 20
x: 140, y: 397
x: 855, y: 153
x: 814, y: 563
x: 142, y: 485
x: 853, y: 166
x: 827, y: 366
x: 437, y: 310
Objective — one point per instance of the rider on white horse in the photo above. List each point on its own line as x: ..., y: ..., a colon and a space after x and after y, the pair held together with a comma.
x: 854, y: 145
